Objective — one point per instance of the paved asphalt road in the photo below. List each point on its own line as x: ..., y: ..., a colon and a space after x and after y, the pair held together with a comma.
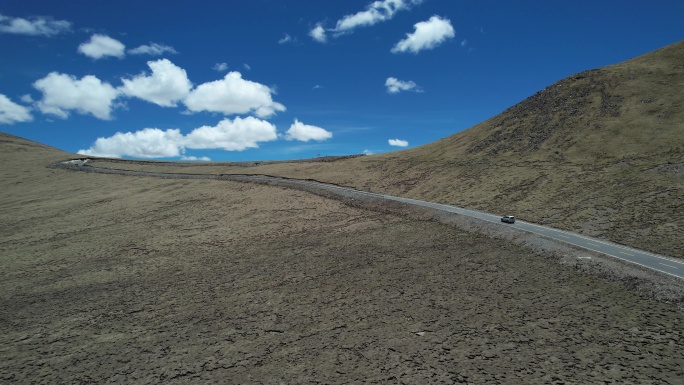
x: 650, y: 260
x: 653, y: 261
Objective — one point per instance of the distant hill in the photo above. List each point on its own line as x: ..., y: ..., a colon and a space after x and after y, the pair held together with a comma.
x: 600, y: 152
x: 19, y: 155
x: 13, y: 144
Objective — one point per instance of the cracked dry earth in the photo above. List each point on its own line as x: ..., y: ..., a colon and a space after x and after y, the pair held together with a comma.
x: 115, y: 279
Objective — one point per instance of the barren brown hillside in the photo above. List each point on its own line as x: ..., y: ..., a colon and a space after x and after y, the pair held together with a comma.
x: 600, y: 153
x: 135, y: 280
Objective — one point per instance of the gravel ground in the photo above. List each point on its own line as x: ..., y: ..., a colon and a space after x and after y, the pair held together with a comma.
x: 125, y: 279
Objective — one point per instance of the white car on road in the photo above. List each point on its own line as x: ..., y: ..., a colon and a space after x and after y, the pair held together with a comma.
x: 508, y: 219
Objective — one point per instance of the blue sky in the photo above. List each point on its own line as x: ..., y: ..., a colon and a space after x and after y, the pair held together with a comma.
x: 275, y: 79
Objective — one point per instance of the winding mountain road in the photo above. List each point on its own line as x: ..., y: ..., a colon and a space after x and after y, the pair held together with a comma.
x: 652, y: 261
x: 649, y: 260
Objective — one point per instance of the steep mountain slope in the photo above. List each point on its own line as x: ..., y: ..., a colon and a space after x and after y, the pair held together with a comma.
x: 601, y: 152
x: 626, y: 110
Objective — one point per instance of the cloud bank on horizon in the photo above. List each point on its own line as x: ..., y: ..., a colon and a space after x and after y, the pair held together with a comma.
x: 229, y: 135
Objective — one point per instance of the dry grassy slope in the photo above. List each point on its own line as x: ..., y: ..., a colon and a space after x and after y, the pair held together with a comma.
x: 20, y: 158
x: 13, y: 147
x: 134, y: 280
x: 601, y: 152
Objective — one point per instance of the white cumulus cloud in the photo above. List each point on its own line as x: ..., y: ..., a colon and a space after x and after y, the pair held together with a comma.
x: 287, y: 39
x: 427, y: 35
x: 11, y: 112
x: 100, y: 46
x: 398, y: 142
x: 232, y: 135
x: 233, y: 95
x: 304, y: 132
x: 395, y: 85
x: 88, y: 95
x: 153, y: 49
x: 318, y: 33
x: 220, y: 67
x: 147, y: 143
x: 37, y: 26
x: 195, y: 158
x: 167, y: 84
x: 376, y: 12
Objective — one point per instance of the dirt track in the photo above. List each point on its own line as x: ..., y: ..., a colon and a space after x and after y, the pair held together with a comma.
x: 113, y: 279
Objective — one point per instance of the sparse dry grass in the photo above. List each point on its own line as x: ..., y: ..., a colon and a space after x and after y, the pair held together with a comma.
x: 115, y: 279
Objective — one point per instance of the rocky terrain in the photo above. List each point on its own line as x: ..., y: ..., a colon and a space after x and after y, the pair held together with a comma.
x: 118, y: 279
